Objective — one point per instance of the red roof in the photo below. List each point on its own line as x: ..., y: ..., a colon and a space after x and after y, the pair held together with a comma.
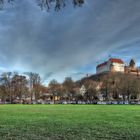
x: 115, y: 60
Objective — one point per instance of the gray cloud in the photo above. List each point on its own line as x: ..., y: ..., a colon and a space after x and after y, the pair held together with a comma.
x: 70, y: 41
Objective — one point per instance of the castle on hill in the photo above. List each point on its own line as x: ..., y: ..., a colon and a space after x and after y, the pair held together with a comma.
x: 118, y: 65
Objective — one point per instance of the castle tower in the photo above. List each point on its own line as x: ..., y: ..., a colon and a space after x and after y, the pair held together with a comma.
x: 132, y: 64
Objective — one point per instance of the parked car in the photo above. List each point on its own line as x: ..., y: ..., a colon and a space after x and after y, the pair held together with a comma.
x: 126, y: 102
x: 64, y: 102
x: 138, y: 103
x: 114, y: 102
x: 120, y: 102
x: 101, y: 103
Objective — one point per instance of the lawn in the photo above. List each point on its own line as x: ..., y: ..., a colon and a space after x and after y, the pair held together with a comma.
x: 69, y: 122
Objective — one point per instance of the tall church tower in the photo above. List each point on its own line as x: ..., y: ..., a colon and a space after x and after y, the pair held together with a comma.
x: 132, y: 64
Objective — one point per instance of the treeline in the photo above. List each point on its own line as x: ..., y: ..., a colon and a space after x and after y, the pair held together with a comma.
x: 28, y: 88
x: 120, y: 86
x: 15, y: 87
x: 108, y: 87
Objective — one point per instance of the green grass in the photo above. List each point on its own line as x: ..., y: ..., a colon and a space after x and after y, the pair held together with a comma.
x: 69, y: 122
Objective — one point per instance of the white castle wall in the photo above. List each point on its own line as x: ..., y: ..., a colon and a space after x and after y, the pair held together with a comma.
x: 118, y: 67
x: 106, y: 68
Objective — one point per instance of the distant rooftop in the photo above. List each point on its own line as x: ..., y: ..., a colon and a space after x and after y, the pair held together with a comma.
x: 115, y: 60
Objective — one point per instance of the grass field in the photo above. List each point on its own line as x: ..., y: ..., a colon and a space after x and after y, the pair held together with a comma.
x: 69, y: 122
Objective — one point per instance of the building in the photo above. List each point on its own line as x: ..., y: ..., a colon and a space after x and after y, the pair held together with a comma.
x: 82, y: 90
x: 117, y: 65
x: 132, y: 69
x: 112, y: 65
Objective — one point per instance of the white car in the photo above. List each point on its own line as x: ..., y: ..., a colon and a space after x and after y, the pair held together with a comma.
x: 101, y: 103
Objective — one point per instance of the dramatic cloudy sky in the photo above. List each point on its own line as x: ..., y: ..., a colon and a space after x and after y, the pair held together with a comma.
x: 70, y: 42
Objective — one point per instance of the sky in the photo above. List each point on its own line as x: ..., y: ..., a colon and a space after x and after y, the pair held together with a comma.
x: 70, y: 42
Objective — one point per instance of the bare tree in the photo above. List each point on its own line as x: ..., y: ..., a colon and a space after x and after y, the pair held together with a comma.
x: 138, y: 88
x: 58, y: 3
x: 19, y: 86
x: 3, y: 93
x: 47, y: 4
x: 30, y: 82
x: 91, y: 90
x: 108, y: 82
x: 69, y: 85
x: 5, y: 2
x: 54, y: 89
x: 5, y: 80
x: 35, y: 85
